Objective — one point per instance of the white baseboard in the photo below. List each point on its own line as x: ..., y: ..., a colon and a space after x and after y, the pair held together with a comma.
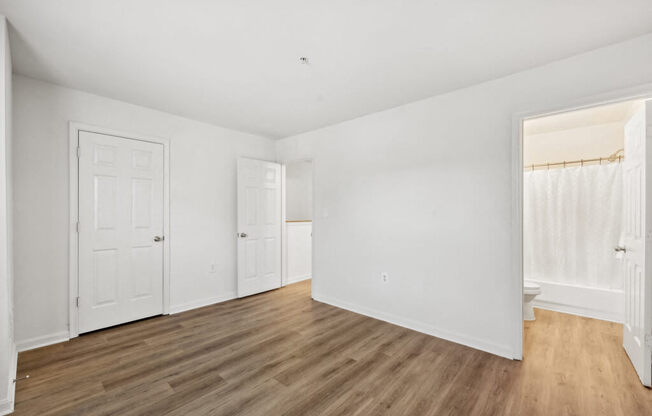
x: 297, y: 279
x: 182, y: 307
x: 45, y: 340
x: 479, y: 344
x: 42, y: 341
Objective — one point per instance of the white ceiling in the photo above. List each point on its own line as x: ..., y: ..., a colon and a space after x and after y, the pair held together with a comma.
x: 235, y: 63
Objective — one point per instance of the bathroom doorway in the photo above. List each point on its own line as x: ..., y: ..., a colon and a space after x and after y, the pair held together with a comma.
x: 297, y: 212
x: 584, y: 222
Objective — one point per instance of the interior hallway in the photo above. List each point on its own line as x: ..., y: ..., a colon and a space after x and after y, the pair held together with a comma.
x: 280, y: 353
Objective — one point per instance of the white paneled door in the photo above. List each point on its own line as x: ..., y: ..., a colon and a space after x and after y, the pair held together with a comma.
x: 637, y: 328
x: 259, y: 226
x: 120, y: 230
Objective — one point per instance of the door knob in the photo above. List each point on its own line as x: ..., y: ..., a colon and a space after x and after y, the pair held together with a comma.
x: 243, y: 235
x: 620, y: 248
x: 158, y: 238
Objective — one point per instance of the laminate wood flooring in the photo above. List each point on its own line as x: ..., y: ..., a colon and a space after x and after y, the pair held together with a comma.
x: 281, y: 353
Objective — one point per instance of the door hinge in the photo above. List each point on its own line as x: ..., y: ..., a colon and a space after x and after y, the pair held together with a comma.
x: 78, y: 152
x: 77, y: 301
x: 648, y: 341
x: 77, y: 227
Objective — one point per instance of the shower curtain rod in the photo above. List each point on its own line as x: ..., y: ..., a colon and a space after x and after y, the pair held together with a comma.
x: 614, y: 157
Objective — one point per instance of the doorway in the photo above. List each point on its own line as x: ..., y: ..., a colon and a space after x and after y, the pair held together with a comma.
x: 584, y: 222
x: 297, y: 221
x: 274, y: 224
x: 119, y: 270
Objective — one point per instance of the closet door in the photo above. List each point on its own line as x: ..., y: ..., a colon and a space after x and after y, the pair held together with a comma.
x: 637, y: 328
x: 120, y: 230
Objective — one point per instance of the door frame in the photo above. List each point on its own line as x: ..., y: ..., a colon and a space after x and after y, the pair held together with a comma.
x: 643, y: 91
x: 284, y: 230
x: 73, y: 236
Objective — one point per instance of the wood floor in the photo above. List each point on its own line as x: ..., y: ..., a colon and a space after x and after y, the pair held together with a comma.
x: 281, y: 353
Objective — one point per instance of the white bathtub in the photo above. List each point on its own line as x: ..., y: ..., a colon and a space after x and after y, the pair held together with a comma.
x: 605, y: 304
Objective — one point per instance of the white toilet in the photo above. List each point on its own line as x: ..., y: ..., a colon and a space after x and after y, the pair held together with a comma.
x: 530, y: 291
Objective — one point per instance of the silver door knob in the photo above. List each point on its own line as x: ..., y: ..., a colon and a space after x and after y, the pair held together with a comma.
x: 243, y: 235
x: 620, y: 248
x: 158, y: 238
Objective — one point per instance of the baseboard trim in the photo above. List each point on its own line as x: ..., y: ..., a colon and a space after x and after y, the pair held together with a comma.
x: 577, y: 310
x: 202, y: 302
x: 45, y: 340
x: 492, y: 348
x: 42, y: 341
x: 298, y: 279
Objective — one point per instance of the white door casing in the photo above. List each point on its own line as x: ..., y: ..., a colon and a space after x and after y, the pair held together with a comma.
x: 259, y: 226
x: 121, y: 211
x: 637, y: 218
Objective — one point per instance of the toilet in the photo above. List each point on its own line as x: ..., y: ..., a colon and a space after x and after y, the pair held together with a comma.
x: 530, y: 291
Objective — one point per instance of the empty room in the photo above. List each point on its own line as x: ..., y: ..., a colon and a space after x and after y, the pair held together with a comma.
x: 311, y: 207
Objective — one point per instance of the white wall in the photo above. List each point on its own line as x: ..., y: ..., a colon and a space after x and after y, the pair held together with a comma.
x: 589, y: 142
x: 203, y: 200
x: 298, y: 183
x: 424, y: 193
x: 7, y: 346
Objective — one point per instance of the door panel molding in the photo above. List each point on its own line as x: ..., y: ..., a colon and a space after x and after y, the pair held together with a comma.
x: 73, y: 237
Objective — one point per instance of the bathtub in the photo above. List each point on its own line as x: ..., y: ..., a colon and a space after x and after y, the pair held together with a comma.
x: 605, y: 304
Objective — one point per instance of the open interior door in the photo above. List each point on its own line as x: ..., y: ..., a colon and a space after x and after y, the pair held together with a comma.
x: 637, y: 238
x: 259, y: 226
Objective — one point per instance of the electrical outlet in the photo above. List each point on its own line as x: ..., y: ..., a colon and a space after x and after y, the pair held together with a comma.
x: 384, y: 277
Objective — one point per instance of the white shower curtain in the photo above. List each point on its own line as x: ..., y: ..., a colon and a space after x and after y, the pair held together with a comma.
x: 572, y: 222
